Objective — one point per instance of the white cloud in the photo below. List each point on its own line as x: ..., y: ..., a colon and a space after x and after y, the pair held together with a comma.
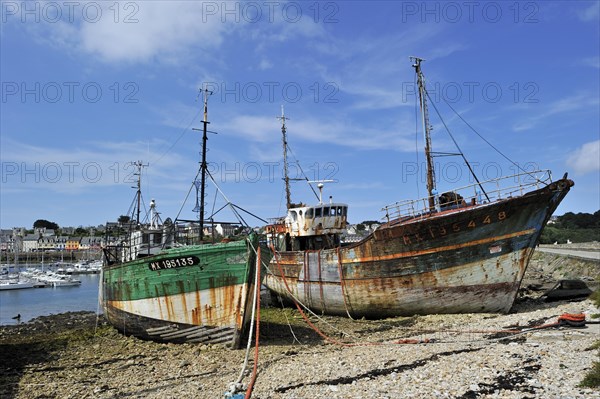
x: 87, y: 167
x: 568, y: 104
x: 372, y: 75
x: 130, y: 32
x: 593, y: 62
x: 336, y: 131
x: 586, y: 158
x: 590, y: 13
x: 165, y: 31
x: 161, y: 29
x: 265, y: 64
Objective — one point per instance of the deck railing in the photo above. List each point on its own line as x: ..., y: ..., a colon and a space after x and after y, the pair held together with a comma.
x: 476, y: 193
x: 124, y: 246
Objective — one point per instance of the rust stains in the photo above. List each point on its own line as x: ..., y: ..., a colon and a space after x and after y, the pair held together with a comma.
x: 196, y: 315
x: 160, y: 309
x: 169, y: 305
x: 209, y: 311
x: 227, y: 301
x: 438, y: 249
x: 184, y: 308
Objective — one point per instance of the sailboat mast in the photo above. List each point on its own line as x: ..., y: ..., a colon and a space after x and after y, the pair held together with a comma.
x: 205, y: 121
x: 138, y: 195
x: 426, y: 130
x: 286, y: 177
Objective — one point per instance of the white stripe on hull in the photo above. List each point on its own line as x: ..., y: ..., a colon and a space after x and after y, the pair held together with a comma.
x: 215, y: 307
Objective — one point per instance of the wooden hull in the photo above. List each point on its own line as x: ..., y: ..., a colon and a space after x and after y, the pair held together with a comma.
x: 196, y: 293
x: 470, y: 259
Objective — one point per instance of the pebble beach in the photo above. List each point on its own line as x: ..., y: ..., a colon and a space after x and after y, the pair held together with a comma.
x: 76, y: 355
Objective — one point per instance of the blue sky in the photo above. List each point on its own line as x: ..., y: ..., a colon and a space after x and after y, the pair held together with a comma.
x: 88, y: 87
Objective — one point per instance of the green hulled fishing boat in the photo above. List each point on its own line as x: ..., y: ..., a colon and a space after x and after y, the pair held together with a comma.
x: 162, y: 281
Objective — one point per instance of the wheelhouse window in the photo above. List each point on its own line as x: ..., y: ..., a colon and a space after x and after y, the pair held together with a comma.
x: 310, y: 213
x: 318, y: 212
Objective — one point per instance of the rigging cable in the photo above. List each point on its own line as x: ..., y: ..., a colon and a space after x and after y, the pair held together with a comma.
x: 256, y: 308
x: 187, y: 196
x: 183, y: 132
x: 457, y: 147
x: 302, y: 171
x: 490, y: 144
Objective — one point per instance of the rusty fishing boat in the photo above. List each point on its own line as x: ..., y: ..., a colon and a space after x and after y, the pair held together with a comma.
x: 164, y: 282
x: 461, y: 251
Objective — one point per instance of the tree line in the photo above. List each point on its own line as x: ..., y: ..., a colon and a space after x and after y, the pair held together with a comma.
x: 574, y: 227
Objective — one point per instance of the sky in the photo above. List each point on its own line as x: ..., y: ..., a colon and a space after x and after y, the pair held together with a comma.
x: 90, y: 87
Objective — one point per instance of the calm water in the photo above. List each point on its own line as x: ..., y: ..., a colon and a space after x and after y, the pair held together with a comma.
x: 34, y: 302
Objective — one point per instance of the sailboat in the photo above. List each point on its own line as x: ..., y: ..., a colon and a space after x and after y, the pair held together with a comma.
x: 461, y: 251
x: 161, y: 281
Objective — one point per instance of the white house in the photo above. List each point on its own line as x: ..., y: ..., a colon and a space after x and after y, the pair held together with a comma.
x: 31, y: 243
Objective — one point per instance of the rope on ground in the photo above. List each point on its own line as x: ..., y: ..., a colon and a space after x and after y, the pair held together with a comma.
x: 342, y: 284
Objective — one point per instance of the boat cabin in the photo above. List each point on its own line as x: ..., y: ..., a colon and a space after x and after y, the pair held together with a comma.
x: 310, y: 227
x: 145, y: 242
x: 306, y: 221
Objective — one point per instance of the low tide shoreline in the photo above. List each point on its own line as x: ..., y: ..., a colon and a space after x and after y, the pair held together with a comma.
x: 77, y: 355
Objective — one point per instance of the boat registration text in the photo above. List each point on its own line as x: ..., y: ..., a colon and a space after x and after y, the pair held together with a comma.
x: 172, y: 263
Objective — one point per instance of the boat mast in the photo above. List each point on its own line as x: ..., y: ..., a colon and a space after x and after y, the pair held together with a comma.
x: 426, y: 130
x: 205, y: 122
x: 286, y: 177
x: 138, y: 195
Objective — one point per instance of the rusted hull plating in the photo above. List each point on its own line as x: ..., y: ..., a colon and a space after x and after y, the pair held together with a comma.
x: 465, y: 260
x: 207, y: 301
x: 167, y: 319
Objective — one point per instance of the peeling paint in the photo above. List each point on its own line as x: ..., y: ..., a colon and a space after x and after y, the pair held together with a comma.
x: 212, y: 294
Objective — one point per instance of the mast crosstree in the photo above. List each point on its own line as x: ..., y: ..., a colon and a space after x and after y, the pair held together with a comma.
x: 205, y: 94
x: 426, y: 130
x: 286, y: 177
x: 138, y: 195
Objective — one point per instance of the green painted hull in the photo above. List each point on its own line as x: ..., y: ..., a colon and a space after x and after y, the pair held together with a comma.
x: 195, y: 293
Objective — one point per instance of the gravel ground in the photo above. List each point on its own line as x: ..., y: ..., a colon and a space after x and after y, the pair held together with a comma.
x: 76, y: 355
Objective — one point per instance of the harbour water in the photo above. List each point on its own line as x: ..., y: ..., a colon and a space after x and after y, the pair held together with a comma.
x: 33, y: 302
